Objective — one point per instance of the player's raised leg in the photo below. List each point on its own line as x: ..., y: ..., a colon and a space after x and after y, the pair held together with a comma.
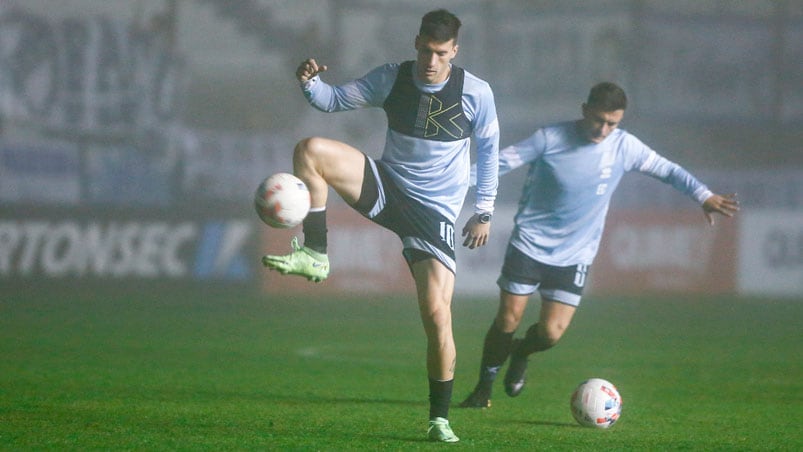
x: 435, y: 287
x: 321, y: 163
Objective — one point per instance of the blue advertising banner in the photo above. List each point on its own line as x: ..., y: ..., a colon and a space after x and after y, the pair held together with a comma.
x: 125, y: 245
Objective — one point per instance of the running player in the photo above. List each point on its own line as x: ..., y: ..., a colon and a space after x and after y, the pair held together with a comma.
x: 416, y: 189
x: 575, y: 167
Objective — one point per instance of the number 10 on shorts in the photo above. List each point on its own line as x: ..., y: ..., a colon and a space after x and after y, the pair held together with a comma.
x: 447, y: 234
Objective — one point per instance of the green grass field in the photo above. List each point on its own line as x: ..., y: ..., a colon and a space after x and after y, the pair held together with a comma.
x: 208, y: 369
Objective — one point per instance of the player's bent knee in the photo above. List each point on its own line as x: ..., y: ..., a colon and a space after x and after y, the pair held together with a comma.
x: 308, y: 154
x: 552, y: 333
x: 307, y: 146
x: 507, y: 322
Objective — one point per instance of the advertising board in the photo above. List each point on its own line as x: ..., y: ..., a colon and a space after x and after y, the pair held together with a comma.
x: 771, y: 250
x: 665, y: 251
x: 124, y: 245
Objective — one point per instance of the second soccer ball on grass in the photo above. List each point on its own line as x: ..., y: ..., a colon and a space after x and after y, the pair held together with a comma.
x: 596, y: 403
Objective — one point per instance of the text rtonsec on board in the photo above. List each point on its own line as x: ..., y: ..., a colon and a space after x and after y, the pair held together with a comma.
x: 134, y: 248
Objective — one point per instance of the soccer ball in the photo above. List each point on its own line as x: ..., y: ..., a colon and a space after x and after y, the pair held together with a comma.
x: 596, y: 403
x: 282, y: 201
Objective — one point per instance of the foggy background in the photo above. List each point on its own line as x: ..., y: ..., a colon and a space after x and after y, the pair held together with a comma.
x: 147, y: 113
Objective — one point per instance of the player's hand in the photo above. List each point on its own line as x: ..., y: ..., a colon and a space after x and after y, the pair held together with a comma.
x: 726, y: 205
x: 308, y: 69
x: 476, y: 234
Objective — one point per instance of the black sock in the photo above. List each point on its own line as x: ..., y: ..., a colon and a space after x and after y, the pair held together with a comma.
x: 315, y: 231
x: 440, y: 396
x: 533, y: 342
x: 495, y: 351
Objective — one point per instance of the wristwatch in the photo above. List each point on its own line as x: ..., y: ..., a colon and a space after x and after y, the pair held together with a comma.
x: 485, y: 217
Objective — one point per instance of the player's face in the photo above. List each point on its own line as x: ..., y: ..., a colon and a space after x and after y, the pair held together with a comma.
x: 433, y: 59
x: 598, y: 124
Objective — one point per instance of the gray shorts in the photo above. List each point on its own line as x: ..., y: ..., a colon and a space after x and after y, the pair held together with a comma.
x: 423, y: 231
x: 522, y: 275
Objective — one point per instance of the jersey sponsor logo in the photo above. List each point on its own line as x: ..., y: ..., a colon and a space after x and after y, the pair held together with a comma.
x: 440, y: 119
x: 437, y: 116
x: 602, y: 187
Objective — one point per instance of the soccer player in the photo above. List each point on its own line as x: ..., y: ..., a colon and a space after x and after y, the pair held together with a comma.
x: 575, y: 166
x: 416, y: 189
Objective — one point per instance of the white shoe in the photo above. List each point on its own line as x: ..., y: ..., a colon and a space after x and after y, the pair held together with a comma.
x: 439, y: 430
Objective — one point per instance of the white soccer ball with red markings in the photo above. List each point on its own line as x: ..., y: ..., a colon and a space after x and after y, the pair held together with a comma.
x: 596, y: 403
x: 282, y: 201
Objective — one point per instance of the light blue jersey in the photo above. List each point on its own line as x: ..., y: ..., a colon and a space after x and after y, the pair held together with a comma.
x: 568, y: 190
x: 435, y: 173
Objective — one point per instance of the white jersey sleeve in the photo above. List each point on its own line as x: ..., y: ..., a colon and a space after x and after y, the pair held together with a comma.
x: 368, y: 91
x: 668, y: 172
x: 479, y: 104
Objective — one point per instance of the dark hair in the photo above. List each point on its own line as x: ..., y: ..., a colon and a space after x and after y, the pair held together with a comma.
x: 439, y: 25
x: 607, y: 96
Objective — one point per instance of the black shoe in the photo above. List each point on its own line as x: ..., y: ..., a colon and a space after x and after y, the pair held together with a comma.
x: 515, y: 376
x: 477, y: 399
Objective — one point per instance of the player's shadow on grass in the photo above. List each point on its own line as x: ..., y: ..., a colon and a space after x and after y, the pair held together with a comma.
x: 315, y: 398
x: 295, y: 398
x: 548, y: 423
x: 359, y: 400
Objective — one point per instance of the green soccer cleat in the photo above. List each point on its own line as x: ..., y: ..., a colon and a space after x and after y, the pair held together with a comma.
x: 440, y: 431
x: 302, y: 261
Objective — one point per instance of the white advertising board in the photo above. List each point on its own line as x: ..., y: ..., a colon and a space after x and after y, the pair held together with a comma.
x: 771, y: 253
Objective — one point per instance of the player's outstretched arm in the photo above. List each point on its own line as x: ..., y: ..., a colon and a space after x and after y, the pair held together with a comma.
x: 726, y: 205
x: 308, y: 69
